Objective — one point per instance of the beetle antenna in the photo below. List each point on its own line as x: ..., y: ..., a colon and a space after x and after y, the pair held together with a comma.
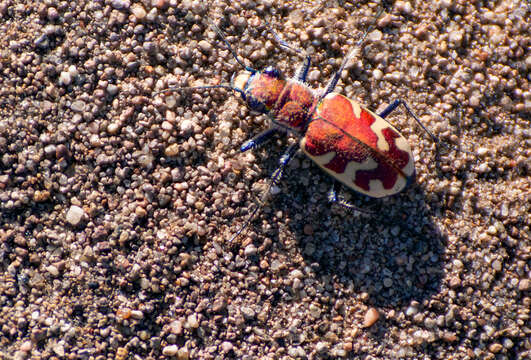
x: 236, y: 57
x: 177, y: 88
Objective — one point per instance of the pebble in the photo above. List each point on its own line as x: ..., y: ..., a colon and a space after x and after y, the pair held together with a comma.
x: 138, y: 11
x: 248, y: 312
x: 186, y: 126
x: 170, y: 350
x: 524, y: 285
x: 371, y: 317
x: 75, y: 215
x: 78, y: 106
x: 192, y: 322
x: 250, y: 250
x: 59, y: 350
x: 172, y: 150
x: 226, y: 346
x: 205, y: 46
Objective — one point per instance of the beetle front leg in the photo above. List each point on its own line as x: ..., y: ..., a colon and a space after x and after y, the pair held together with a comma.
x: 258, y: 139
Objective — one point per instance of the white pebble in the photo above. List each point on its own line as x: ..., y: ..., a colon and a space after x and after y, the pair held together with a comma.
x: 75, y: 215
x: 170, y: 350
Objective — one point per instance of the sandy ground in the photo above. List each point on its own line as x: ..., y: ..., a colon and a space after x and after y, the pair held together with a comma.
x: 117, y: 203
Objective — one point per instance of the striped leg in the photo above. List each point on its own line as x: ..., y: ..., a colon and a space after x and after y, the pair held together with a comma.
x: 334, y: 198
x: 302, y: 71
x: 258, y: 140
x: 275, y: 178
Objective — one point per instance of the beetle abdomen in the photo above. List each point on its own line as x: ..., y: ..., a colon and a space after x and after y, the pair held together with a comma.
x: 358, y: 147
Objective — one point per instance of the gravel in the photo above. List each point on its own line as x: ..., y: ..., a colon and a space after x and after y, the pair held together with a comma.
x: 117, y: 202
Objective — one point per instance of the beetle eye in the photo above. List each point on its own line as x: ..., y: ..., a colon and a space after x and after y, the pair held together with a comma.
x: 271, y: 71
x: 256, y: 105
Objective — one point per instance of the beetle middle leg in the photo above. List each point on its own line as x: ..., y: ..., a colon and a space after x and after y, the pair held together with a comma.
x: 399, y: 102
x: 273, y: 180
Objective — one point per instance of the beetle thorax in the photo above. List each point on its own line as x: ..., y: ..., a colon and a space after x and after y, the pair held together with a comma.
x: 287, y: 102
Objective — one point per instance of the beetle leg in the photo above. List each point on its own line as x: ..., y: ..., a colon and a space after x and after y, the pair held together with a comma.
x: 258, y: 140
x: 334, y: 198
x: 399, y: 102
x: 302, y: 71
x: 284, y: 160
x: 353, y: 53
x: 275, y: 178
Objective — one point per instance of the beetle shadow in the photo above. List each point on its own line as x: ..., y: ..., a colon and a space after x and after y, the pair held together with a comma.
x: 393, y: 255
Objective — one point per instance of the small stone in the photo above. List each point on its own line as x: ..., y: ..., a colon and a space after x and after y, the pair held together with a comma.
x: 371, y: 316
x: 411, y: 311
x: 78, y: 106
x: 321, y: 347
x: 170, y: 350
x: 172, y: 150
x: 26, y: 346
x: 495, y: 348
x: 186, y: 126
x: 183, y: 354
x: 455, y: 282
x: 75, y: 215
x: 112, y: 89
x: 497, y: 265
x: 138, y: 11
x: 315, y: 312
x: 524, y: 284
x: 250, y: 250
x: 205, y: 46
x: 59, y: 350
x: 140, y: 212
x: 65, y: 78
x: 219, y: 305
x: 226, y: 346
x: 297, y: 274
x: 41, y: 196
x: 314, y: 75
x: 113, y: 128
x: 192, y: 322
x: 53, y: 270
x: 248, y: 312
x: 137, y: 314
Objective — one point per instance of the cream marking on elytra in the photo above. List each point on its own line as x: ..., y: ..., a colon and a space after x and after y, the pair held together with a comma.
x: 377, y: 126
x: 403, y: 145
x: 376, y: 186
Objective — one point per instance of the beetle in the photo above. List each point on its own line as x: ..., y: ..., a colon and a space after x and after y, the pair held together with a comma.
x: 356, y: 146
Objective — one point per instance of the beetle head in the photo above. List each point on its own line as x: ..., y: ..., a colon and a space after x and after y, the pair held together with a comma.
x: 259, y: 89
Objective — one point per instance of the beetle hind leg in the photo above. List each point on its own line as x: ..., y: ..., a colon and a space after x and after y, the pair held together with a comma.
x: 391, y: 107
x: 333, y: 197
